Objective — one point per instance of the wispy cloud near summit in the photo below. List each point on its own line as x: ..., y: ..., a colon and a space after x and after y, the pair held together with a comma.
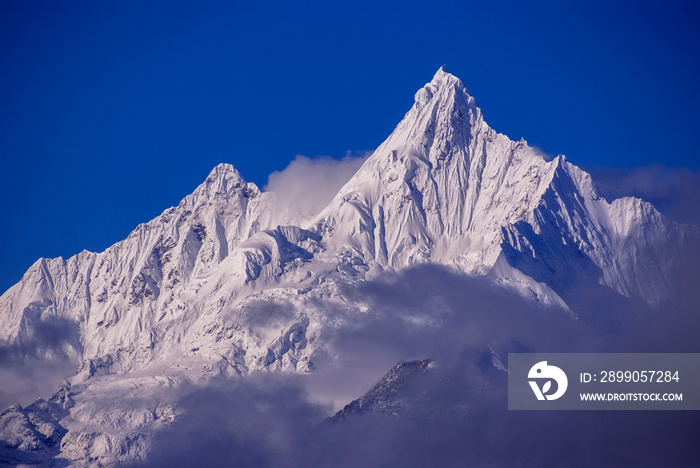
x: 307, y: 185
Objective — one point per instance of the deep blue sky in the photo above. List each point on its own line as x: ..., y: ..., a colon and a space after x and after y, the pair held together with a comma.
x: 112, y: 111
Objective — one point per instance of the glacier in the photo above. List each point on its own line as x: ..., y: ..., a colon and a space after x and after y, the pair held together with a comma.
x: 224, y: 285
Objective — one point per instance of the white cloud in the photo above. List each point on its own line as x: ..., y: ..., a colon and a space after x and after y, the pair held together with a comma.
x: 673, y: 191
x: 307, y: 185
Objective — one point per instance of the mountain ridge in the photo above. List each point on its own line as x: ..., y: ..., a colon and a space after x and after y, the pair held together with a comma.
x: 222, y: 285
x: 444, y: 188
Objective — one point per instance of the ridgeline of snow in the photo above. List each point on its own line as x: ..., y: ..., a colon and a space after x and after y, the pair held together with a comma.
x: 214, y: 286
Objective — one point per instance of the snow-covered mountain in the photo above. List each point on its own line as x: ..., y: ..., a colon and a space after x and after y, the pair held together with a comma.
x: 446, y: 188
x: 385, y: 398
x: 222, y: 284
